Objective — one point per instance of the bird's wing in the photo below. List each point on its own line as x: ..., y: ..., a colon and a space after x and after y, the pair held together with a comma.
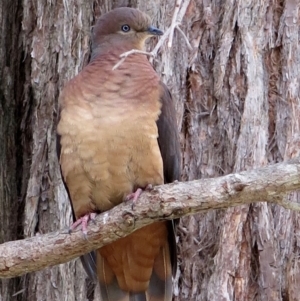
x: 169, y: 144
x: 168, y: 138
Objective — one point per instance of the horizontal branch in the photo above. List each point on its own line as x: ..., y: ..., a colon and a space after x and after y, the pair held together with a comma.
x: 170, y: 201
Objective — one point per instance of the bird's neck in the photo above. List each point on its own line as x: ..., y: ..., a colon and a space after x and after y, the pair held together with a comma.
x: 115, y: 47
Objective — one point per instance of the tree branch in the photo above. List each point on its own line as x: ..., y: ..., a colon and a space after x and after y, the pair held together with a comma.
x: 170, y: 201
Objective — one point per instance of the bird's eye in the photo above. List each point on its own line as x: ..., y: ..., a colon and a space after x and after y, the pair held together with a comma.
x: 125, y: 28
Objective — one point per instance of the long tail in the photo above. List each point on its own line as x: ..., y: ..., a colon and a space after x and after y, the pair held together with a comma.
x: 159, y: 288
x: 137, y: 267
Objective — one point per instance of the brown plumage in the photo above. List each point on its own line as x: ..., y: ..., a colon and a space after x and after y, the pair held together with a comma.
x: 118, y: 133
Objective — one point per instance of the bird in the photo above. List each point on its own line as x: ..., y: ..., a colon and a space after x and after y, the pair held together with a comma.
x: 117, y: 135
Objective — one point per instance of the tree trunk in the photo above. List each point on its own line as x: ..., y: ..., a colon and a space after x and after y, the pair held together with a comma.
x: 11, y: 89
x: 237, y: 98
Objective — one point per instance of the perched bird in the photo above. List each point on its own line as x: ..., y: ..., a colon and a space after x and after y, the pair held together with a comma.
x: 118, y: 134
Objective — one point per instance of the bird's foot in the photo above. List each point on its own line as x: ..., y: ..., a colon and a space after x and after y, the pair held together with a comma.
x: 135, y: 195
x: 83, y: 221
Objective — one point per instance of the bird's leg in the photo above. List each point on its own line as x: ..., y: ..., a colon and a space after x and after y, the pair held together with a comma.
x: 135, y: 195
x: 83, y: 221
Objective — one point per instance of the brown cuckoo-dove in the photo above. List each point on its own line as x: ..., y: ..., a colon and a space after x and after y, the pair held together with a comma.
x: 118, y: 134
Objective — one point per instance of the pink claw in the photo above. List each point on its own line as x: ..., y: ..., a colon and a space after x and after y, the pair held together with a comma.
x: 83, y: 221
x: 135, y: 195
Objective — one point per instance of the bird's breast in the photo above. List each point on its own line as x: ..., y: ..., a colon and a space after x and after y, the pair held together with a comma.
x: 109, y: 141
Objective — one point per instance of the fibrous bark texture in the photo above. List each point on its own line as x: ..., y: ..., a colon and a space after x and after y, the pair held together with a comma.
x: 10, y: 94
x: 243, y: 77
x: 237, y: 98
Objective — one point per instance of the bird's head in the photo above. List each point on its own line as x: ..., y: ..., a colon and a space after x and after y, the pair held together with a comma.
x: 124, y: 28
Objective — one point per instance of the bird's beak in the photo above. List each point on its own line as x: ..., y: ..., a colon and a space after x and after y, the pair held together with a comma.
x: 154, y: 31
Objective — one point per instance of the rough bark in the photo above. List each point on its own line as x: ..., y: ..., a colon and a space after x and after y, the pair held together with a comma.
x: 243, y: 77
x: 11, y: 89
x: 237, y: 98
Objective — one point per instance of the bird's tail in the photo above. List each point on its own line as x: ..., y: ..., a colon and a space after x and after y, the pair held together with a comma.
x: 159, y: 288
